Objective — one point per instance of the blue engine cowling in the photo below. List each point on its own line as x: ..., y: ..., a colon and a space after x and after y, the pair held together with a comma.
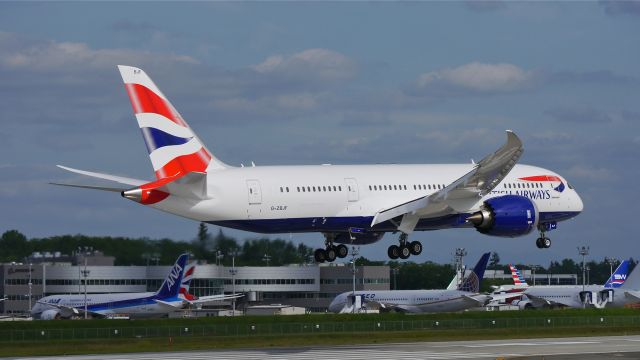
x: 358, y: 238
x: 507, y: 216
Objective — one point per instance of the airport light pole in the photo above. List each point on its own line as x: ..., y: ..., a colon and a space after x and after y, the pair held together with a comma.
x: 354, y: 253
x: 85, y: 274
x: 266, y: 258
x: 30, y: 285
x: 459, y: 264
x: 233, y: 272
x: 583, y: 251
x: 533, y: 276
x: 611, y: 260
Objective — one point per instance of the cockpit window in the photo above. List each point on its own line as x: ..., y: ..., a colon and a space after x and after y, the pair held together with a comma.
x: 570, y: 187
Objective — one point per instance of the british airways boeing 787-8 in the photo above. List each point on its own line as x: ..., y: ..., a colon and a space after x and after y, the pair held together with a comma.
x: 349, y: 204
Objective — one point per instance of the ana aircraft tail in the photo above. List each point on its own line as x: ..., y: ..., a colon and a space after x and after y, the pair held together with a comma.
x: 472, y: 282
x: 619, y: 277
x: 173, y: 147
x: 173, y: 282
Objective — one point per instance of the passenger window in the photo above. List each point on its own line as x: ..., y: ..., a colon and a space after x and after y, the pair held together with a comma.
x: 405, y: 187
x: 395, y: 187
x: 250, y: 191
x: 414, y: 187
x: 339, y: 188
x: 287, y: 188
x: 324, y: 188
x: 281, y: 189
x: 370, y: 188
x: 298, y: 187
x: 385, y: 187
x: 308, y: 188
x: 334, y: 188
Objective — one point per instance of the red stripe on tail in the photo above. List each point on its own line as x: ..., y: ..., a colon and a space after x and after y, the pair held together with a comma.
x: 144, y: 100
x: 198, y: 161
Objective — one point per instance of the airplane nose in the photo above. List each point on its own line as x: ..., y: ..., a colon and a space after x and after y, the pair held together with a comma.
x: 336, y: 305
x: 579, y: 205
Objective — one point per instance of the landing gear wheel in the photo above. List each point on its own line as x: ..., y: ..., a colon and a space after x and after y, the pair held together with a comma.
x: 393, y: 252
x: 342, y: 251
x: 415, y: 248
x: 331, y: 254
x: 404, y: 252
x: 546, y: 242
x: 539, y: 243
x: 320, y: 255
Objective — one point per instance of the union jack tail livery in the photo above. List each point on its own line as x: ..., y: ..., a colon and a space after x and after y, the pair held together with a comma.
x: 186, y: 282
x: 518, y: 280
x: 173, y: 147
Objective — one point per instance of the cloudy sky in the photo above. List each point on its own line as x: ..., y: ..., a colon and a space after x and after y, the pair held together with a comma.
x: 311, y: 83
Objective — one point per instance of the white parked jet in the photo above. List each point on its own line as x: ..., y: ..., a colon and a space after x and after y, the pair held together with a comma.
x: 621, y: 289
x: 349, y: 204
x: 172, y: 296
x: 466, y: 296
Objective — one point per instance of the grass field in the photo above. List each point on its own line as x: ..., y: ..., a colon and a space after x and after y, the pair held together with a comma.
x: 99, y: 336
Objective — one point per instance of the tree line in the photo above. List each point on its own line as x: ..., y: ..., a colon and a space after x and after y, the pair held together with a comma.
x: 16, y: 247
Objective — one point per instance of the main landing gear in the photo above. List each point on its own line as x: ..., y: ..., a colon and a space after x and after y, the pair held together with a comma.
x: 404, y: 249
x: 330, y: 252
x: 543, y: 242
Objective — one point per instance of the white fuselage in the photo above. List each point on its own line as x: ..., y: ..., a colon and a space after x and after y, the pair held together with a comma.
x: 335, y: 198
x: 135, y: 305
x: 414, y: 301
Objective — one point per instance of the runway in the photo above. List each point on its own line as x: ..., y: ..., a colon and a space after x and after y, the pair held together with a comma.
x: 626, y: 347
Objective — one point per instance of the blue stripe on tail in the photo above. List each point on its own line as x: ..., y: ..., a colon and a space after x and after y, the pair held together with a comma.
x: 619, y: 276
x: 155, y: 139
x: 171, y: 285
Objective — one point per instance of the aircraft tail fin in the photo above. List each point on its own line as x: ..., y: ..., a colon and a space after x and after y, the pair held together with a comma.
x: 173, y: 282
x: 518, y: 279
x: 619, y: 277
x: 174, y: 149
x: 472, y: 282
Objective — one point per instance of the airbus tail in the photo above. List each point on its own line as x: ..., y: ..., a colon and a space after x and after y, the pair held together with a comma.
x: 472, y: 282
x: 173, y: 282
x: 174, y: 149
x: 619, y: 277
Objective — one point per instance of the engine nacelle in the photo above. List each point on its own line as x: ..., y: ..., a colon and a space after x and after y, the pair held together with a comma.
x: 507, y: 216
x: 50, y: 315
x: 358, y: 238
x: 523, y: 304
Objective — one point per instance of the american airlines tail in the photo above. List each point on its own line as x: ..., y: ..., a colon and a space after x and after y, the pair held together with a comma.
x: 472, y: 282
x: 174, y: 281
x: 518, y: 280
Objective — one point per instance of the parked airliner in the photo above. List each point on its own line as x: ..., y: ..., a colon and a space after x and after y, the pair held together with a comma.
x: 171, y: 297
x: 466, y: 296
x: 349, y: 204
x: 620, y: 289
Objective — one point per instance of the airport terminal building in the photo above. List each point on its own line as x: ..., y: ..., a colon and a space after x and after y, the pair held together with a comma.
x: 312, y: 287
x: 309, y: 286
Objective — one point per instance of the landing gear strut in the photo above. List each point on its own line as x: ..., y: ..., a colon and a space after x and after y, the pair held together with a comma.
x: 543, y: 242
x: 331, y: 251
x: 404, y: 249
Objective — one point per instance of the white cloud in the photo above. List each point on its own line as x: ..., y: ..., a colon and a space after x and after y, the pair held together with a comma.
x: 321, y: 64
x: 478, y: 78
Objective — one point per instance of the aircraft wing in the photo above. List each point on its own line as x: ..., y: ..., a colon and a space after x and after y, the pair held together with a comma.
x: 632, y: 295
x: 460, y: 194
x: 476, y: 300
x: 538, y: 301
x: 212, y: 298
x: 69, y: 311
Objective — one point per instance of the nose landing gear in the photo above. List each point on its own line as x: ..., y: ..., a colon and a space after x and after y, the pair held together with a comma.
x: 404, y: 249
x: 543, y: 242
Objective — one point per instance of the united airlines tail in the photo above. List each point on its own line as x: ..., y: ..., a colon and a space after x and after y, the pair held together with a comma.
x: 472, y: 282
x: 619, y: 277
x: 174, y: 149
x: 173, y: 282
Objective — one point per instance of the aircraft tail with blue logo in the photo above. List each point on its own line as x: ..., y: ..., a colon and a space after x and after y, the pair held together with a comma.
x: 472, y: 282
x: 173, y: 282
x: 619, y: 277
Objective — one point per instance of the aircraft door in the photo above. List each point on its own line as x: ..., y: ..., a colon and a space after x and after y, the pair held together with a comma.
x: 352, y: 189
x: 254, y: 192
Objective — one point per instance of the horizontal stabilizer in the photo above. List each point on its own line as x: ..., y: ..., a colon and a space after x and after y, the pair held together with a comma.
x: 118, y: 179
x: 168, y: 304
x: 90, y: 187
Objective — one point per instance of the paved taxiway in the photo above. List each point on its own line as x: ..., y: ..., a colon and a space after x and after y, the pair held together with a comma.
x: 626, y: 347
